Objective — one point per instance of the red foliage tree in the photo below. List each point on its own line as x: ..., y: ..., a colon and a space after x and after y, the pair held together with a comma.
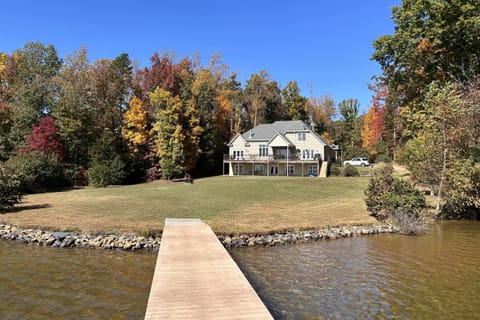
x: 45, y: 138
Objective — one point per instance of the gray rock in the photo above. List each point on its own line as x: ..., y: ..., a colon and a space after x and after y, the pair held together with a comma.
x: 60, y: 235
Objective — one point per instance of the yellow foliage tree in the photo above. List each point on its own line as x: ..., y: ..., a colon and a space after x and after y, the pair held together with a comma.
x: 134, y: 128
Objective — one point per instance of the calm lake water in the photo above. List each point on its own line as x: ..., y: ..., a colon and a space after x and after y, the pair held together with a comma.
x: 436, y: 276
x: 53, y: 283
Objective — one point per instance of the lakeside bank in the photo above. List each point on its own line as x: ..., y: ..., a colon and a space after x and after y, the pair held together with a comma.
x: 133, y: 241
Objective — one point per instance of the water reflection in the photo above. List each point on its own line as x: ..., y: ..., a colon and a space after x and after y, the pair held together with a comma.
x: 386, y: 276
x: 51, y: 283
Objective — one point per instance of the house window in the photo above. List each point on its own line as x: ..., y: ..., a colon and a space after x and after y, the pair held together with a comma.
x: 259, y: 169
x: 312, y: 170
x: 291, y: 170
x: 238, y: 155
x: 263, y: 150
x: 302, y: 136
x: 308, y: 154
x: 238, y: 169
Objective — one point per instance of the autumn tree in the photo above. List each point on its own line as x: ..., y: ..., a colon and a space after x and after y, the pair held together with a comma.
x: 177, y: 133
x: 321, y: 111
x: 294, y: 103
x: 204, y: 101
x: 433, y: 41
x: 373, y: 125
x: 254, y: 97
x: 45, y: 137
x: 111, y: 86
x: 33, y: 69
x: 134, y: 129
x: 444, y: 153
x: 73, y: 112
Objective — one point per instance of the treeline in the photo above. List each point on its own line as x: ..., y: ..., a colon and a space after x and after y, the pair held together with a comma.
x: 74, y: 122
x: 426, y: 108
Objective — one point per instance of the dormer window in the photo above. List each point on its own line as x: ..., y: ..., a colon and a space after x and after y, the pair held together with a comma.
x: 302, y: 136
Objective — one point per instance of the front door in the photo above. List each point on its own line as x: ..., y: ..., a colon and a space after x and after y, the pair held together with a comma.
x: 274, y: 170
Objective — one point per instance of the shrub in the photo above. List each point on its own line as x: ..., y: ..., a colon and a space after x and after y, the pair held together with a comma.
x: 106, y: 166
x: 104, y: 174
x: 10, y: 189
x: 335, y: 169
x: 350, y: 171
x: 392, y: 199
x: 37, y: 171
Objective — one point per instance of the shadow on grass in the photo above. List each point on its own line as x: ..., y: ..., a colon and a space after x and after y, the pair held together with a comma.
x: 24, y: 208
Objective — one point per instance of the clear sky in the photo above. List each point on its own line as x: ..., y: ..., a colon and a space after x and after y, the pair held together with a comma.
x: 322, y: 44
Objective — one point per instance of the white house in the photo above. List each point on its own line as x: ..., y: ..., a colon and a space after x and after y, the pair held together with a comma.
x: 282, y: 148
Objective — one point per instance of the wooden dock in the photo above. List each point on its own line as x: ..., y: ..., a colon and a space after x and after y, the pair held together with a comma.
x: 195, y: 278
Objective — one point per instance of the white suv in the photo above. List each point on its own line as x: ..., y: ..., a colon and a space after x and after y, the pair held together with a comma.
x: 357, y: 162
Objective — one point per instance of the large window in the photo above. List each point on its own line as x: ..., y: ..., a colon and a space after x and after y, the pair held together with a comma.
x: 302, y: 136
x: 308, y: 154
x: 263, y: 150
x: 259, y: 170
x: 237, y: 169
x: 238, y: 155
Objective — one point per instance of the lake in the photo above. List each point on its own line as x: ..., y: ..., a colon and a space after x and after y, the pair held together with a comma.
x: 383, y: 276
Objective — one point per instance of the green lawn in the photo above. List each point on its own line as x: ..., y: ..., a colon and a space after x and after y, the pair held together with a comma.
x: 227, y: 204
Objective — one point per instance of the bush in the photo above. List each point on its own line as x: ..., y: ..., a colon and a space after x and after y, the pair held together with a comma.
x: 392, y: 199
x: 335, y: 169
x: 104, y: 174
x: 10, y: 189
x: 106, y: 166
x: 350, y: 171
x: 37, y: 171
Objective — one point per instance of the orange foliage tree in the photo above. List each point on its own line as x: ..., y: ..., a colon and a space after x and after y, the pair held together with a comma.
x: 373, y: 122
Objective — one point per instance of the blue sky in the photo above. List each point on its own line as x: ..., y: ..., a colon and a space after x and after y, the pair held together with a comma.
x: 322, y: 44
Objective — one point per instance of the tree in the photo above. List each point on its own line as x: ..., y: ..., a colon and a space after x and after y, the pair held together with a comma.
x: 177, y: 133
x: 350, y: 129
x: 321, y: 111
x: 373, y: 125
x: 433, y: 41
x: 254, y: 99
x: 445, y: 151
x: 106, y: 165
x: 392, y: 199
x: 45, y: 138
x: 134, y: 129
x: 31, y: 89
x: 294, y: 103
x: 111, y: 83
x: 73, y: 112
x: 204, y: 102
x: 10, y: 189
x: 274, y: 108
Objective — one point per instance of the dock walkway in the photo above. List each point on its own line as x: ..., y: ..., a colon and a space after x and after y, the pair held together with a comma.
x: 195, y: 278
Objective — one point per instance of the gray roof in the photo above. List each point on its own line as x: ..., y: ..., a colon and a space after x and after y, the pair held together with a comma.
x: 268, y: 130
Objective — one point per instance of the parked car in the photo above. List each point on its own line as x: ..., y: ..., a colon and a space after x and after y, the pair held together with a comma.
x: 357, y: 162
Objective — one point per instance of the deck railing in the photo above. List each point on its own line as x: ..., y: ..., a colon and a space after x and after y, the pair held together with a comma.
x: 256, y: 157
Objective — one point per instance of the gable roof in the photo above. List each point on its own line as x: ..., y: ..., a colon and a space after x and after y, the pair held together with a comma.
x: 281, y: 141
x: 267, y: 131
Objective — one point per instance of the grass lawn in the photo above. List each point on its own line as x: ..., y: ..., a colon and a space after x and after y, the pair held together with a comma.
x: 227, y: 204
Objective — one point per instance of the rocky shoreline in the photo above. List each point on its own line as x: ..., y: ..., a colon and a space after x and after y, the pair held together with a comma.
x: 132, y: 241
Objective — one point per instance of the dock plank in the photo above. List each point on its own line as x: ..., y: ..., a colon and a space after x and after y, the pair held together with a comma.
x: 195, y: 278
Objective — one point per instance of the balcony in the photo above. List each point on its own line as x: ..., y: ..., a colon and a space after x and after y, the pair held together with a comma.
x: 270, y: 158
